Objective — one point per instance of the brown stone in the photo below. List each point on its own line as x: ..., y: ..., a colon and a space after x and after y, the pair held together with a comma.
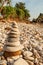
x: 1, y: 49
x: 10, y: 54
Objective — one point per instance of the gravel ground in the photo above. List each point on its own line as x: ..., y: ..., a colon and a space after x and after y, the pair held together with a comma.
x: 31, y: 36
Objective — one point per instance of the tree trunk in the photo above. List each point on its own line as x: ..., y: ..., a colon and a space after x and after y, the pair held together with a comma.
x: 2, y: 6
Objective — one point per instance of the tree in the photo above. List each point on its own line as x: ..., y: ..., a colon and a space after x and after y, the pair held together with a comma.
x: 2, y: 4
x: 22, y: 9
x: 20, y: 13
x: 8, y: 11
x: 27, y: 15
x: 20, y: 5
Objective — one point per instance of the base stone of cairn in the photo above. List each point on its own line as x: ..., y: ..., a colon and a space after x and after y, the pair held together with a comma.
x: 13, y: 47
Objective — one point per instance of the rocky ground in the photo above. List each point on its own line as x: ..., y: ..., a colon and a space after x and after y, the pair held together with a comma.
x: 31, y: 37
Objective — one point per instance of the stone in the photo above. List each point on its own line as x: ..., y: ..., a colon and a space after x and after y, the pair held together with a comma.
x: 27, y: 53
x: 16, y: 57
x: 10, y: 61
x: 20, y: 61
x: 13, y: 49
x: 29, y: 58
x: 30, y: 62
x: 11, y: 54
x: 16, y: 43
x: 36, y: 61
x: 36, y: 54
x: 3, y: 62
x: 39, y: 47
x: 1, y: 48
x: 37, y: 36
x: 40, y: 63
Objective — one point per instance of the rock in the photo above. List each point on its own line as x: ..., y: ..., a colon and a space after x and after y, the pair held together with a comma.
x: 27, y: 53
x: 36, y: 61
x: 20, y: 61
x: 34, y: 44
x: 1, y: 48
x: 9, y: 61
x: 29, y: 58
x: 36, y: 54
x: 2, y: 58
x: 39, y: 47
x: 3, y: 62
x: 16, y: 43
x: 11, y: 54
x: 30, y: 62
x: 13, y: 49
x: 40, y: 63
x: 16, y: 57
x: 37, y: 36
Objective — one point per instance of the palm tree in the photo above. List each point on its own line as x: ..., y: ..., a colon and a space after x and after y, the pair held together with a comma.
x: 22, y: 10
x: 20, y: 5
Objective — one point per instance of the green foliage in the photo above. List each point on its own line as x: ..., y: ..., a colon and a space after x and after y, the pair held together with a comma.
x: 20, y: 5
x: 19, y: 11
x: 23, y: 12
x: 2, y: 4
x: 27, y: 15
x: 8, y: 11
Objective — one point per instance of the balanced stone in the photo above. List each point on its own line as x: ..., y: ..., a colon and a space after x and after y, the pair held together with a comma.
x: 12, y: 54
x: 16, y: 57
x: 14, y: 48
x: 17, y: 43
x: 12, y: 40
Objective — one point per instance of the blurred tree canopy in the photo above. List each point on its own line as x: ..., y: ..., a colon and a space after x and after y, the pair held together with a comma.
x: 20, y: 5
x: 18, y: 11
x: 8, y: 11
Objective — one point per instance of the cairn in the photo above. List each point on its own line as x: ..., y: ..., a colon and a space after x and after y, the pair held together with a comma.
x: 13, y: 47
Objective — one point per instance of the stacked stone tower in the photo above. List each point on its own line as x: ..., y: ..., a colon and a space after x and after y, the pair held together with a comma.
x: 13, y: 47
